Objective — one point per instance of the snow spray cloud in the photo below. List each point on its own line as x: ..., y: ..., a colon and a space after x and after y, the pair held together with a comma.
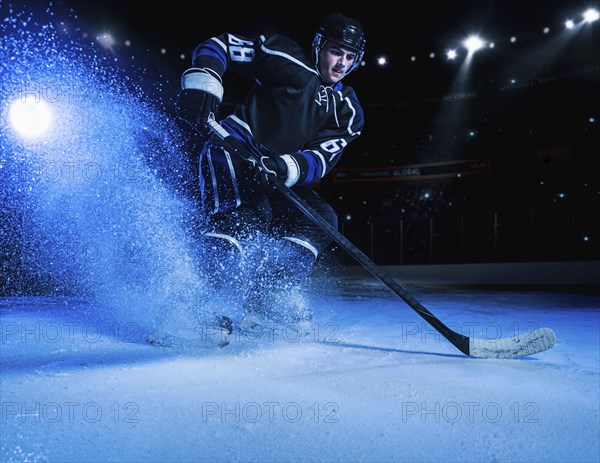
x: 91, y: 178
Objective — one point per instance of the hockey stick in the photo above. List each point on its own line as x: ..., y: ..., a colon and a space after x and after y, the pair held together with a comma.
x: 530, y: 343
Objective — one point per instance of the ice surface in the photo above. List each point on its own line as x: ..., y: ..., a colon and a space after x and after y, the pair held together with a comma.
x: 100, y: 207
x: 370, y: 382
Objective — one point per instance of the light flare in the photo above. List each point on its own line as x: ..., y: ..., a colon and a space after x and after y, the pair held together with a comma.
x: 30, y: 118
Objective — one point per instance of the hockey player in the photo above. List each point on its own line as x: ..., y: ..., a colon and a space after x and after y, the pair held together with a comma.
x: 297, y: 119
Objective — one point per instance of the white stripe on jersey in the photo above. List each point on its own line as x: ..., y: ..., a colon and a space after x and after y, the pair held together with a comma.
x: 238, y: 200
x: 240, y: 122
x: 351, y: 120
x: 285, y: 55
x: 214, y: 181
x: 221, y: 44
x: 322, y: 159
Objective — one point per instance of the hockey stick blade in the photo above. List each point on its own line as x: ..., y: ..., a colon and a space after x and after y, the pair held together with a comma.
x: 520, y: 346
x: 515, y: 347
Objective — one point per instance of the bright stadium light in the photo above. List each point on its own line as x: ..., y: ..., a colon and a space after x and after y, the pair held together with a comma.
x: 30, y: 119
x: 451, y: 54
x: 591, y: 15
x: 473, y: 43
x: 106, y: 40
x: 569, y: 24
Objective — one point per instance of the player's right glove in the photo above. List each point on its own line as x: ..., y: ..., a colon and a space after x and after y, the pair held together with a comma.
x: 257, y: 174
x: 200, y: 95
x: 274, y: 166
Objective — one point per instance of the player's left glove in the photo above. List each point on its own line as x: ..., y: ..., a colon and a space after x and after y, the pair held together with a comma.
x: 199, y: 98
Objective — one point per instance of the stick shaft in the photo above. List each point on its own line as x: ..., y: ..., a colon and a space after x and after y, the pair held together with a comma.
x: 460, y: 341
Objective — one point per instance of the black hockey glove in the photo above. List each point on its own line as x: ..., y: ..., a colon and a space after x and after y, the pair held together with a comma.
x: 200, y: 96
x: 258, y: 175
x: 274, y: 166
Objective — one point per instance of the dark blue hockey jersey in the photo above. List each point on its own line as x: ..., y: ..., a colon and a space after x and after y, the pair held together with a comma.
x: 289, y: 111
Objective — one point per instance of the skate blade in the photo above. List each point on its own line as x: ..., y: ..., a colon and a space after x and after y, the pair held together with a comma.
x: 216, y: 338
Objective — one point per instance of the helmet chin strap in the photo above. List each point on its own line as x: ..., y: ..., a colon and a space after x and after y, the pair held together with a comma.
x: 318, y: 46
x: 317, y: 52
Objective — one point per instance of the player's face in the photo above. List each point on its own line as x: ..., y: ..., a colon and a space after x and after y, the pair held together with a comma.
x: 335, y: 61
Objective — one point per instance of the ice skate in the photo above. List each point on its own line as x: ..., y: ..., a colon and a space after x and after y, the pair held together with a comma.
x: 275, y: 301
x: 209, y: 334
x: 276, y: 311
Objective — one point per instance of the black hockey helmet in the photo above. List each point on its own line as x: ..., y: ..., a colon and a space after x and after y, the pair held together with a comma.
x: 343, y: 30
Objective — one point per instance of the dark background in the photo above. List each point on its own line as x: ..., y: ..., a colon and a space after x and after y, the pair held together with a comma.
x: 449, y: 169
